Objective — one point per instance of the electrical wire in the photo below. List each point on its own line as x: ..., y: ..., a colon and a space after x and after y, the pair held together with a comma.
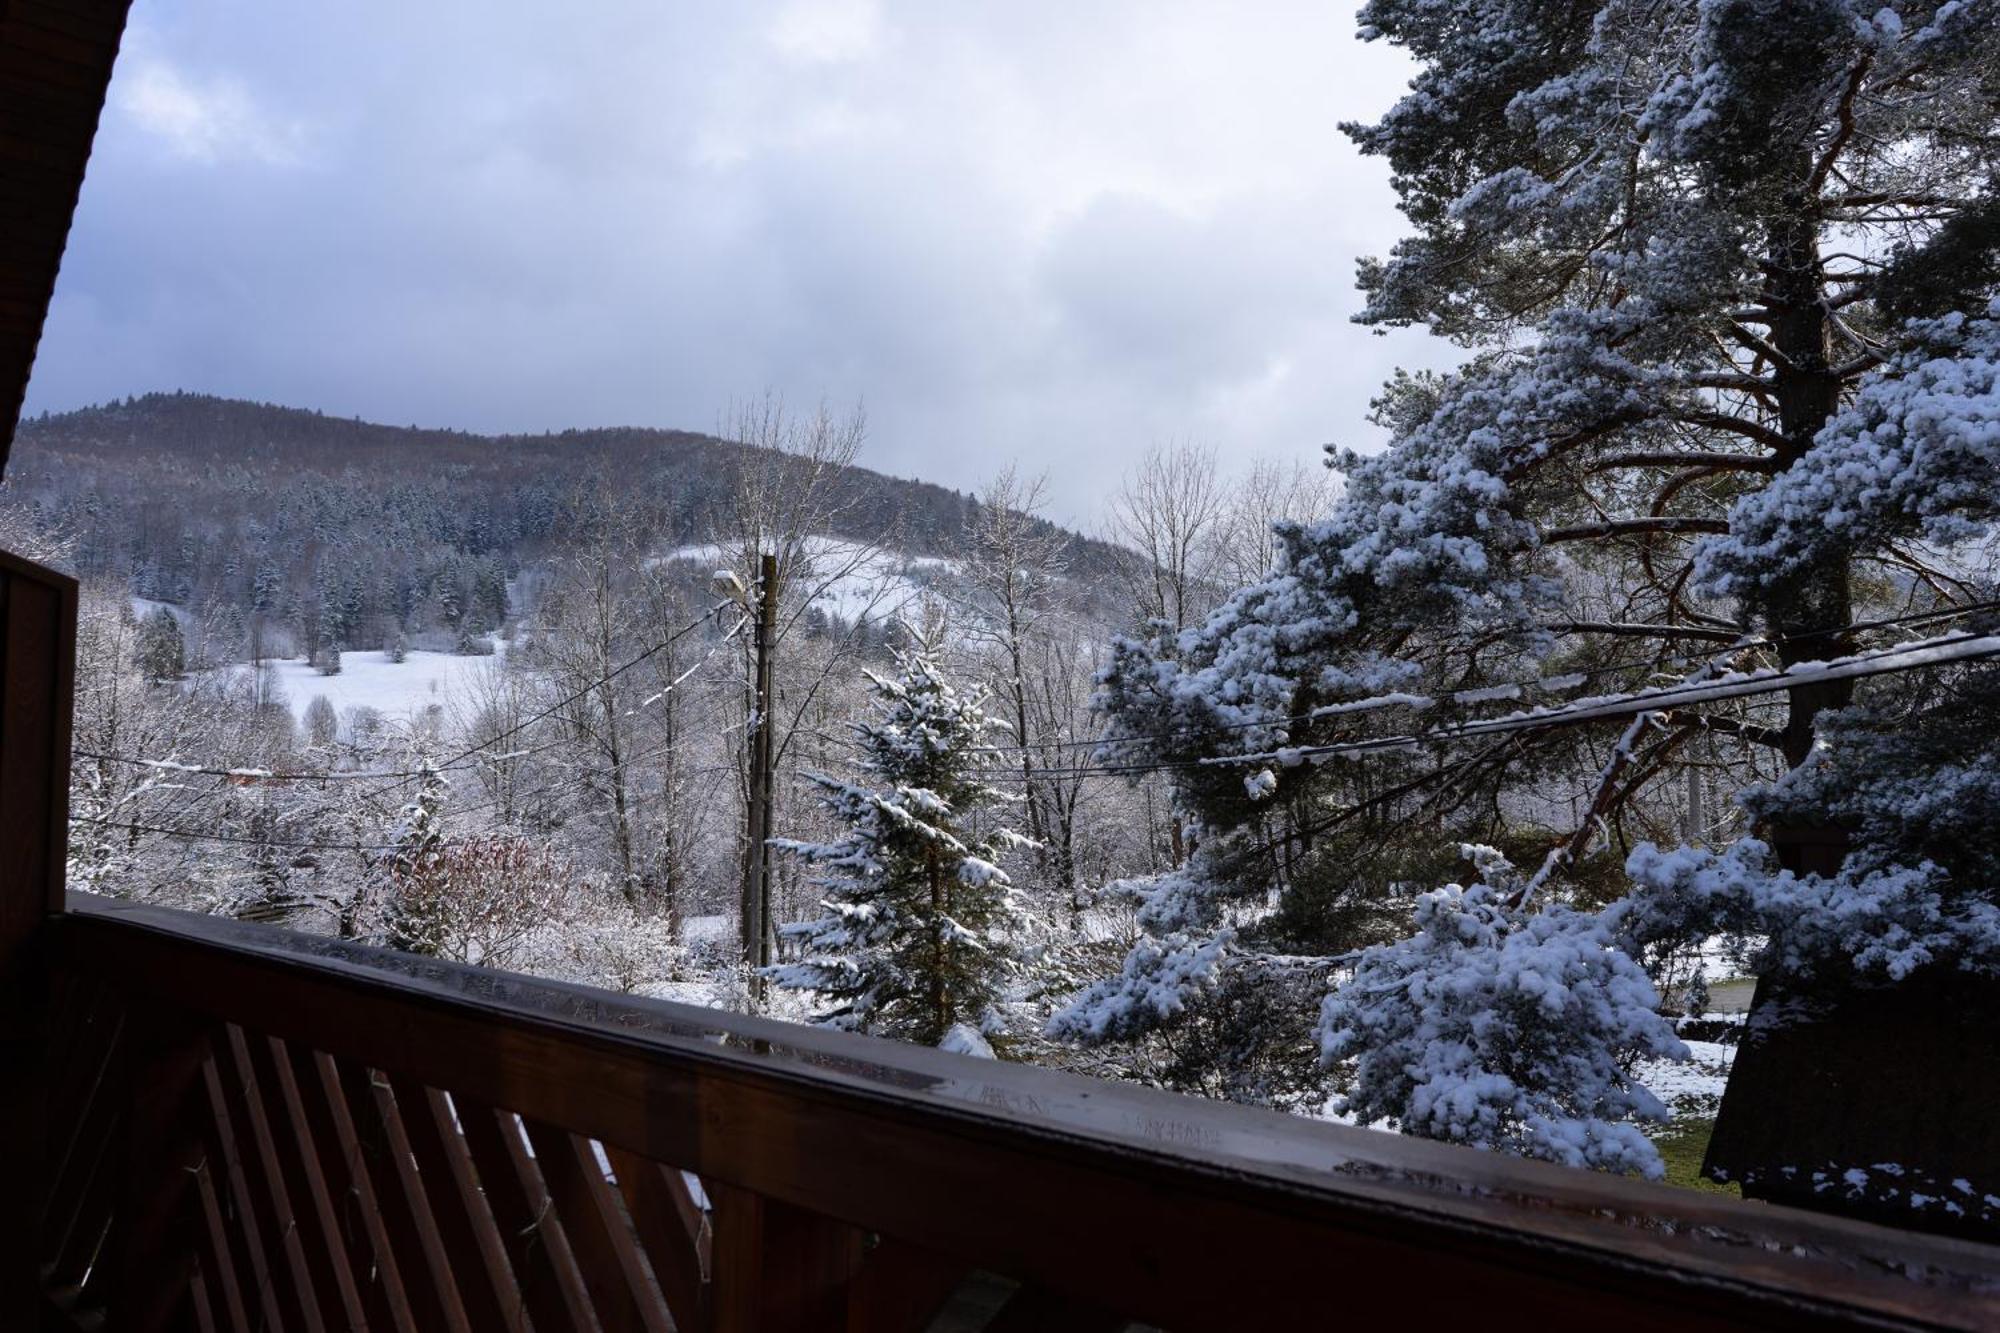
x: 1955, y: 649
x: 1558, y: 683
x: 575, y: 695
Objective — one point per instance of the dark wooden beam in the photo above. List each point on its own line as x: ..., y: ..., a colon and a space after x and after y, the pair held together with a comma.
x: 1151, y: 1205
x: 37, y: 676
x: 55, y: 64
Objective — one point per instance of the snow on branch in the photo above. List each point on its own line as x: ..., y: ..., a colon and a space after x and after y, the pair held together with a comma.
x: 1942, y: 650
x: 1916, y: 453
x: 1504, y: 1028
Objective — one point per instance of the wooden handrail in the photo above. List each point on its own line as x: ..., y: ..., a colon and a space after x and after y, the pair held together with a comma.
x: 1182, y: 1212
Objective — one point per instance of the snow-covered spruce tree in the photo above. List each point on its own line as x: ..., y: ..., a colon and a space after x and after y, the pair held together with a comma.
x: 1724, y: 266
x: 162, y: 650
x: 918, y: 933
x: 414, y: 917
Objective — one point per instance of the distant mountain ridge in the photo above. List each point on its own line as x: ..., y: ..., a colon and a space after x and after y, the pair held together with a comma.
x: 204, y: 500
x: 224, y: 431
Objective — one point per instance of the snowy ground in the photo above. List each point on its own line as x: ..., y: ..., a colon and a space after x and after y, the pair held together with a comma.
x: 852, y: 582
x: 1693, y: 1089
x: 368, y: 679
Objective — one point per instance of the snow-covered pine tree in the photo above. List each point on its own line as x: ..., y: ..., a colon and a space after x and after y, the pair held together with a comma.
x: 413, y: 918
x: 162, y: 650
x: 1725, y: 266
x: 918, y: 933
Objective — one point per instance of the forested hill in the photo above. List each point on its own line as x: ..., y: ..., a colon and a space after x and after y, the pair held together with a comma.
x: 205, y: 500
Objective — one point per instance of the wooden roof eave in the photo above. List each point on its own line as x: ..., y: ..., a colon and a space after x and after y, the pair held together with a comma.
x: 55, y: 65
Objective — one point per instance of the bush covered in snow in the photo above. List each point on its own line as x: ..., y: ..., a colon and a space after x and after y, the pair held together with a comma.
x: 1505, y: 1027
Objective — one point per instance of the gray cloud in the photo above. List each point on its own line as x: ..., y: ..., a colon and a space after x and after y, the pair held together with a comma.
x: 1016, y: 232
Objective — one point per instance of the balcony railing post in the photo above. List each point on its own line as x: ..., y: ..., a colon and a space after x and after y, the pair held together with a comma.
x: 37, y: 678
x: 150, y: 1250
x: 779, y: 1269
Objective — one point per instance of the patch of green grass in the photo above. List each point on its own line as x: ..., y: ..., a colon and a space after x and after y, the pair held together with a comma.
x: 1683, y: 1142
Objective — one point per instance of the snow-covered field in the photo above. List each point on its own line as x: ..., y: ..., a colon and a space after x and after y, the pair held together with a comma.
x: 849, y: 580
x: 1693, y: 1089
x: 368, y: 679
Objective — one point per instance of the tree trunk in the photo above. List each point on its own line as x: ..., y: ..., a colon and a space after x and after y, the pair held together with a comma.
x: 1811, y: 614
x: 621, y: 816
x: 941, y: 951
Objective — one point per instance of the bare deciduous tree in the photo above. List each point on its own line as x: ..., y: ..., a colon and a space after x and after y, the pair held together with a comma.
x: 1173, y: 510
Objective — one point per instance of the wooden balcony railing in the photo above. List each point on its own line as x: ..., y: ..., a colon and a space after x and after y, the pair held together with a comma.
x: 254, y: 1129
x: 213, y: 1125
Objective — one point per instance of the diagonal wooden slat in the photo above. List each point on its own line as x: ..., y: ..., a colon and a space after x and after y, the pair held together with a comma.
x: 377, y: 1267
x: 216, y: 1260
x: 78, y: 1108
x: 679, y: 1254
x: 621, y: 1285
x: 681, y: 1186
x: 349, y: 1199
x: 84, y: 1104
x: 239, y: 1207
x: 292, y: 1271
x: 406, y: 1201
x: 200, y: 1311
x: 537, y: 1244
x: 299, y: 1158
x: 396, y: 1231
x: 81, y: 1209
x: 464, y: 1216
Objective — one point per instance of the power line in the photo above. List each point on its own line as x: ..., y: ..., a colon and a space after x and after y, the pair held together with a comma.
x: 1942, y: 651
x: 202, y: 835
x: 572, y: 697
x: 258, y: 775
x: 451, y: 764
x: 1489, y: 693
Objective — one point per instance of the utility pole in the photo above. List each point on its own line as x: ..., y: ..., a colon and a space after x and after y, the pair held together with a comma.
x: 756, y: 913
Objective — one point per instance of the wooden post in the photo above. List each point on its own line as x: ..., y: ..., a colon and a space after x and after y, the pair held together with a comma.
x: 756, y: 919
x: 150, y: 1254
x: 37, y: 683
x: 779, y: 1269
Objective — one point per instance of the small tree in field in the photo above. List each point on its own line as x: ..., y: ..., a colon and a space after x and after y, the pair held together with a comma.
x: 162, y: 649
x: 917, y: 935
x: 322, y: 723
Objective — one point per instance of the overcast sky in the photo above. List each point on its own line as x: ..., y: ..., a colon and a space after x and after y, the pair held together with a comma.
x: 1057, y: 233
